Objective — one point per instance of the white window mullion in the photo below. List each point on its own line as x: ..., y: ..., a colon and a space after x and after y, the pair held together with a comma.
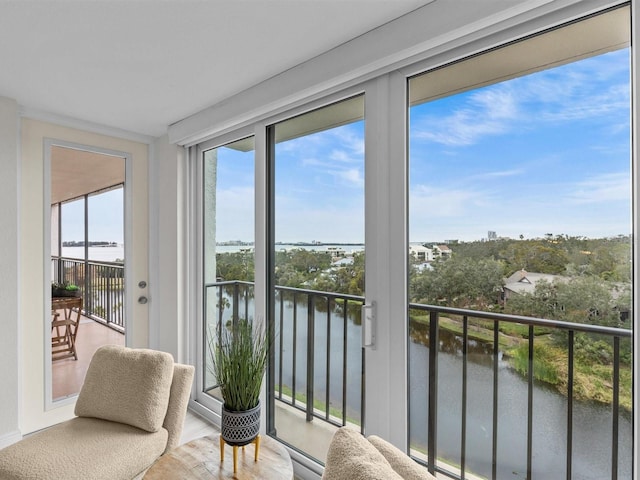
x: 260, y: 241
x: 386, y: 257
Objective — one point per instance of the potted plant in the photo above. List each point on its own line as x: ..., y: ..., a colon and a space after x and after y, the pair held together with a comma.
x: 64, y: 290
x: 238, y: 361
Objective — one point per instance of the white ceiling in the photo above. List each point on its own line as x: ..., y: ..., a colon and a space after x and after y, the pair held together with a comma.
x: 142, y: 65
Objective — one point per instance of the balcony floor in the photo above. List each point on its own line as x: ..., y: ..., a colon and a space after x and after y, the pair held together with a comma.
x: 68, y: 374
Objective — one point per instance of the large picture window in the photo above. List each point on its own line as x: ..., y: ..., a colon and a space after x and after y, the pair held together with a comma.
x: 494, y: 202
x: 520, y: 206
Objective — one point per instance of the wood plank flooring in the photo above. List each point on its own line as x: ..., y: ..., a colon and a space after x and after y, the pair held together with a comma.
x: 196, y: 426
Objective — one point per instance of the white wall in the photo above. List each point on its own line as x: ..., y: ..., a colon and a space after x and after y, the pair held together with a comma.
x: 9, y: 271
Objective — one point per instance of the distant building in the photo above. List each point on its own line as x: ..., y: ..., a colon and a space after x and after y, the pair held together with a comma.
x: 525, y: 282
x: 428, y: 253
x: 421, y: 253
x: 335, y: 252
x: 343, y: 262
x: 492, y: 235
x: 441, y: 251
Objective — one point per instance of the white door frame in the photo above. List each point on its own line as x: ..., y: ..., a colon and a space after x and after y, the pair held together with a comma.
x: 49, y: 143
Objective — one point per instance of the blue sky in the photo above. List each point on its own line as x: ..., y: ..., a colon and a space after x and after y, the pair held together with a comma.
x: 544, y: 153
x: 320, y: 186
x: 105, y: 218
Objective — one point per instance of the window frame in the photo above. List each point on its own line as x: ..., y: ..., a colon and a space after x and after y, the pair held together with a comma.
x: 385, y: 93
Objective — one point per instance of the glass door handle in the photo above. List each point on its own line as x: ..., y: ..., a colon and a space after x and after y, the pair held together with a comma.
x: 369, y: 325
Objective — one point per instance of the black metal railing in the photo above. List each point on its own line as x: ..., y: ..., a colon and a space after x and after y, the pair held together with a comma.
x: 101, y: 285
x: 311, y: 327
x: 495, y: 320
x: 312, y: 337
x: 327, y: 321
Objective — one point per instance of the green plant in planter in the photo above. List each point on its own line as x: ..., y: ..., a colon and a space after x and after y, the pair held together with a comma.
x: 64, y: 289
x: 238, y: 361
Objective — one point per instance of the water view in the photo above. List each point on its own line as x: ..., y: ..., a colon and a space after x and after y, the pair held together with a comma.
x: 518, y: 203
x: 98, y: 254
x: 592, y: 421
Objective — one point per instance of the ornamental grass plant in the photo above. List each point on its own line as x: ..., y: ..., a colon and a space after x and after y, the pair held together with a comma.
x: 238, y: 360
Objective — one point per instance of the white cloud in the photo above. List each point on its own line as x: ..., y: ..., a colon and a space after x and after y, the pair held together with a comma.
x: 430, y: 202
x: 325, y: 223
x: 592, y: 89
x: 488, y: 112
x: 351, y: 177
x: 234, y: 214
x: 498, y: 174
x: 609, y: 187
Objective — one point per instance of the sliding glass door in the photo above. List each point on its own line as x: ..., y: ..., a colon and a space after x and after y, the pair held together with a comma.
x: 317, y: 273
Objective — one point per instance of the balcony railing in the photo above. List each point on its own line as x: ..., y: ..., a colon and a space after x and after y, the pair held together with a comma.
x: 315, y: 317
x: 101, y: 284
x: 435, y: 314
x: 317, y: 334
x: 311, y: 328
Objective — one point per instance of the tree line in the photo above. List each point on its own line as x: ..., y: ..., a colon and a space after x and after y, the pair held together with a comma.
x: 593, y: 287
x: 594, y: 284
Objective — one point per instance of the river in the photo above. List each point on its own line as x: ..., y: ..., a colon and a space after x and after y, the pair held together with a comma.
x: 592, y: 423
x: 592, y: 426
x: 98, y: 254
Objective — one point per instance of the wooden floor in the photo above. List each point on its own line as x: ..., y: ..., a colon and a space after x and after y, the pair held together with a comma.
x: 196, y: 427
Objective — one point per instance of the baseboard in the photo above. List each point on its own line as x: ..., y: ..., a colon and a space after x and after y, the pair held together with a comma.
x: 302, y: 472
x: 10, y: 438
x: 303, y: 467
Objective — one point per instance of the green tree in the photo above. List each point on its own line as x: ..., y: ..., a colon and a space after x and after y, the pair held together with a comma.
x: 586, y: 299
x: 300, y: 267
x: 459, y: 282
x: 541, y: 256
x: 235, y: 266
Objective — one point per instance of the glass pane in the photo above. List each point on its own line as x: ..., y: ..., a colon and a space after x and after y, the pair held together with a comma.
x: 88, y: 305
x: 106, y: 257
x: 520, y: 204
x: 228, y: 223
x: 319, y: 273
x: 72, y: 234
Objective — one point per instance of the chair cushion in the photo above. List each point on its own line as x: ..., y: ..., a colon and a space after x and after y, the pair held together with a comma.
x: 401, y: 463
x: 178, y: 403
x: 352, y: 457
x: 81, y: 449
x: 126, y: 385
